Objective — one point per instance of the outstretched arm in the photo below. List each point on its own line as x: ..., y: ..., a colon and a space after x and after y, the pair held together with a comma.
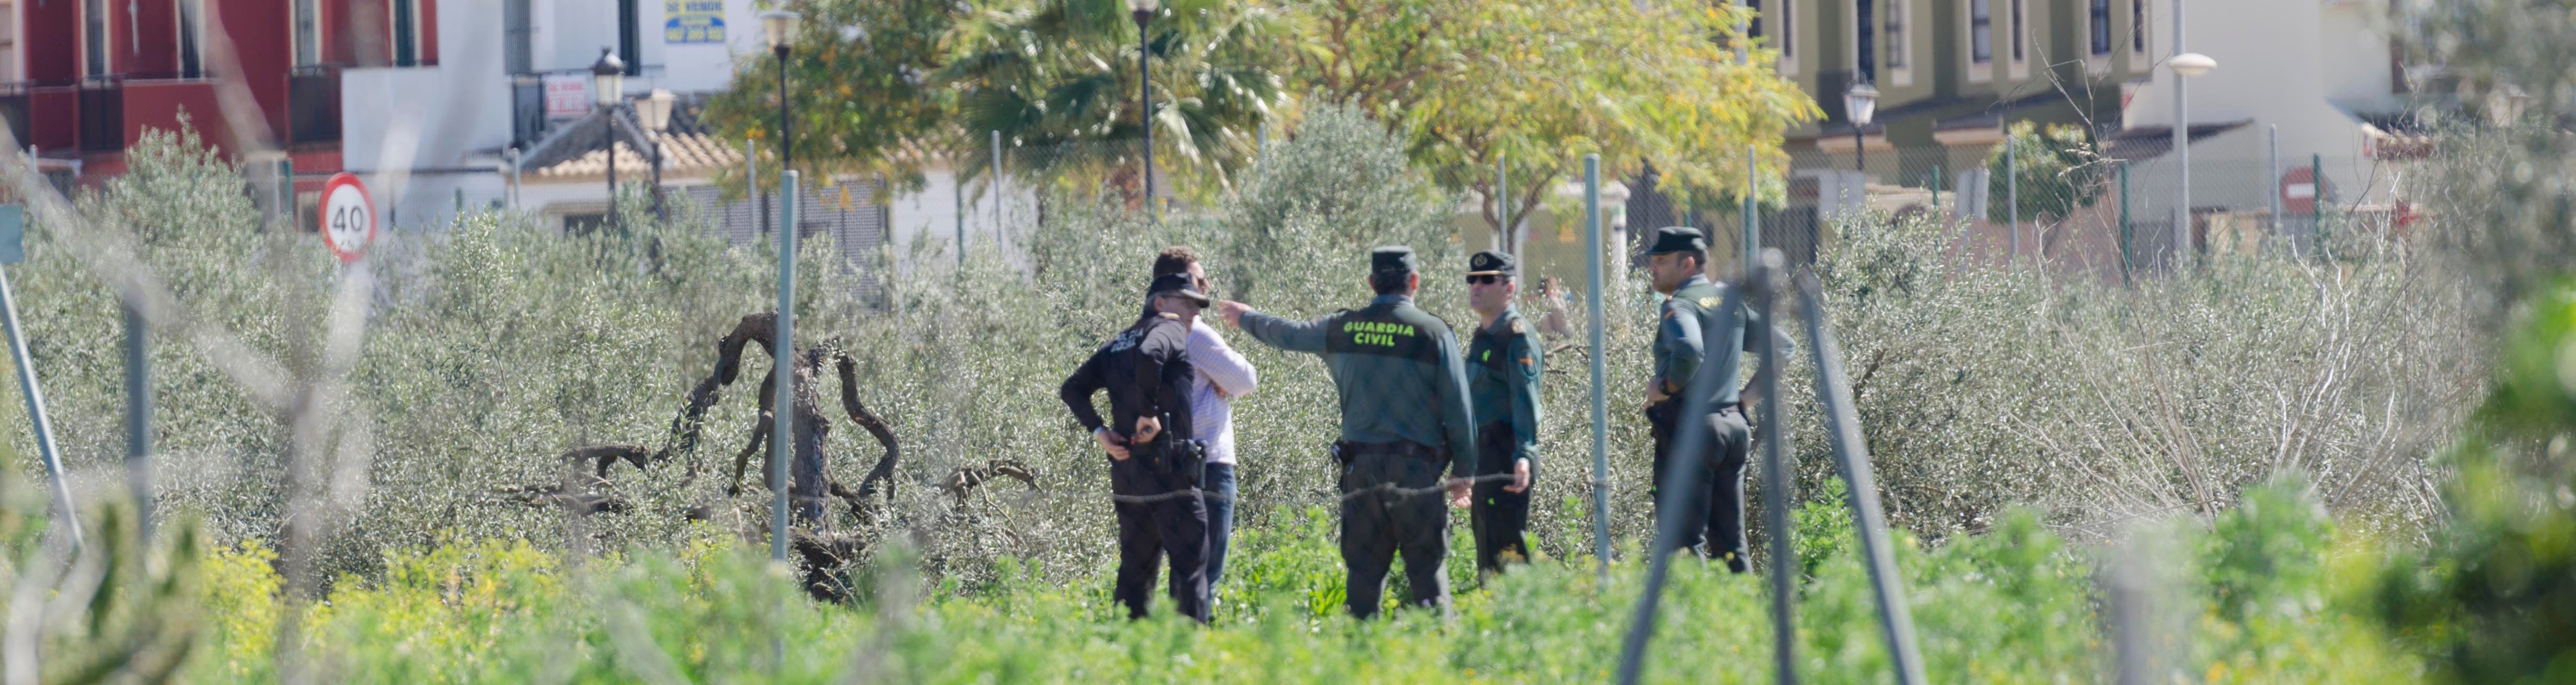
x: 1281, y: 333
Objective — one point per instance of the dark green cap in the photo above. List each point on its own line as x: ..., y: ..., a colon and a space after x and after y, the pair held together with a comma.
x: 1491, y: 263
x: 1677, y: 239
x: 1392, y: 259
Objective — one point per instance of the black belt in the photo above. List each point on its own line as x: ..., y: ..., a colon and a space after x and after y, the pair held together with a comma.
x: 1344, y: 450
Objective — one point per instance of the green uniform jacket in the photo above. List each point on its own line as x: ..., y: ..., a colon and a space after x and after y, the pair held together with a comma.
x: 1503, y: 363
x: 1692, y: 323
x: 1398, y: 371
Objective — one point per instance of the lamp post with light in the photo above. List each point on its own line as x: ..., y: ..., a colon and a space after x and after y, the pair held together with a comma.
x: 608, y: 87
x: 1143, y: 11
x: 1859, y: 104
x: 2184, y: 66
x: 780, y: 28
x: 654, y: 112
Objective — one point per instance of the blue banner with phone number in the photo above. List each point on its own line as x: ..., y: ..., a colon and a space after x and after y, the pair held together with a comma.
x: 693, y: 21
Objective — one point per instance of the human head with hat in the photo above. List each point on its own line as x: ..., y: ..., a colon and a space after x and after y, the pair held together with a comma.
x: 1175, y: 294
x: 1491, y: 282
x: 1678, y: 253
x: 1391, y: 271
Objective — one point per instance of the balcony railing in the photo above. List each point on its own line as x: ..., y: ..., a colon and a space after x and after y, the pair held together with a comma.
x: 102, y: 115
x: 313, y: 106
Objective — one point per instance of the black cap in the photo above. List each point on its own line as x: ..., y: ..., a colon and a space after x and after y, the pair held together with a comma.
x: 1392, y: 259
x: 1491, y: 263
x: 1677, y: 239
x: 1175, y: 284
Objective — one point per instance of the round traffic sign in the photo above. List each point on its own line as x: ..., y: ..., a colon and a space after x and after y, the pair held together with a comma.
x: 348, y: 217
x: 2300, y: 191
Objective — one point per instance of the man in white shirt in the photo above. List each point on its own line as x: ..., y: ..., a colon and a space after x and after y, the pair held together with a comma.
x: 1223, y: 374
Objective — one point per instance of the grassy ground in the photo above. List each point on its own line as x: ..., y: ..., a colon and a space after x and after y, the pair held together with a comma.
x: 2271, y: 595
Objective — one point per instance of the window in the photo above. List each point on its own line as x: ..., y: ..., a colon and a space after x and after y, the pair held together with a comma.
x: 1787, y: 41
x: 1981, y: 32
x: 94, y: 24
x: 192, y: 63
x: 9, y: 42
x: 406, y: 34
x: 1755, y: 30
x: 516, y: 35
x: 2016, y: 31
x: 2138, y: 26
x: 2099, y: 14
x: 1896, y: 34
x: 1865, y: 41
x: 308, y: 32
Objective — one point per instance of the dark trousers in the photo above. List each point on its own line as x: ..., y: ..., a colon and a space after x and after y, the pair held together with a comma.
x: 1716, y: 515
x: 1160, y: 515
x: 1380, y: 522
x: 1499, y: 518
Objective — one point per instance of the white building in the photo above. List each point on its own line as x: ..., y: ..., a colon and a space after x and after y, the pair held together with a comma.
x: 516, y: 73
x: 2326, y: 77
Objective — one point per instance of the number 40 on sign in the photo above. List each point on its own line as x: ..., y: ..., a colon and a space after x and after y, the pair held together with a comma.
x: 348, y: 217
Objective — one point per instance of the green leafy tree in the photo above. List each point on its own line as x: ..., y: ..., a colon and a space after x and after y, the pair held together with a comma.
x: 1536, y: 85
x: 861, y: 97
x: 2057, y: 168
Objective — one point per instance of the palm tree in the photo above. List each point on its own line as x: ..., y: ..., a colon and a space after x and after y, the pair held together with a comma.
x: 1057, y: 78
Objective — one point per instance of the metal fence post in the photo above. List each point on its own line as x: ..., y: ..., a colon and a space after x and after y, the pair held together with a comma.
x: 1751, y: 207
x: 782, y: 436
x: 1775, y: 482
x: 1600, y: 367
x: 2272, y: 172
x: 35, y: 394
x: 2012, y: 189
x: 2317, y: 210
x: 1851, y: 453
x: 996, y: 185
x: 1503, y: 204
x: 2125, y: 258
x: 138, y: 415
x: 959, y: 176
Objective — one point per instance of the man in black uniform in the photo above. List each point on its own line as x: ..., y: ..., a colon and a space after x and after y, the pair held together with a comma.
x: 1404, y: 420
x: 1502, y: 376
x: 1697, y: 329
x: 1154, y: 466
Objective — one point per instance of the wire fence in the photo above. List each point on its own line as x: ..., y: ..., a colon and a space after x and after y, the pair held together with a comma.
x: 2104, y: 208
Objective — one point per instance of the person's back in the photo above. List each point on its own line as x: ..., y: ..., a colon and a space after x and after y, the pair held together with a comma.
x: 1405, y: 419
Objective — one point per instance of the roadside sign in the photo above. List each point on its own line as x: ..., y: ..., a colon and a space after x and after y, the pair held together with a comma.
x: 2299, y: 192
x: 348, y: 217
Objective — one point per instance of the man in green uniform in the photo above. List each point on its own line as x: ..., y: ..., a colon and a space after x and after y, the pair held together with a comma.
x: 1404, y: 420
x: 1502, y: 376
x: 1697, y: 328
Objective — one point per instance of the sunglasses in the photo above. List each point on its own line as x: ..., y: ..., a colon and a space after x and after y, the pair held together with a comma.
x: 1485, y: 279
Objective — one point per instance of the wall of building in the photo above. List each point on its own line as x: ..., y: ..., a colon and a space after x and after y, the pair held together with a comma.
x: 2273, y: 69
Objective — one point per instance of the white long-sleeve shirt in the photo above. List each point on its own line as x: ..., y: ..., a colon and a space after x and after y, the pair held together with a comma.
x: 1222, y: 374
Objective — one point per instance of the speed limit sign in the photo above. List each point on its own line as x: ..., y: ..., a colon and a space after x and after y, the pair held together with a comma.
x: 348, y: 217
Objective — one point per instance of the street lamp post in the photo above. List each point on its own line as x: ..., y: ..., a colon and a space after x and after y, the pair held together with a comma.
x: 1860, y: 103
x: 2184, y: 66
x: 654, y: 111
x: 1143, y: 11
x: 608, y: 87
x: 780, y: 28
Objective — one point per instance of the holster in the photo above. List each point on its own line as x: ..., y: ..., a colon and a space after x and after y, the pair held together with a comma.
x: 1172, y: 455
x: 1661, y: 416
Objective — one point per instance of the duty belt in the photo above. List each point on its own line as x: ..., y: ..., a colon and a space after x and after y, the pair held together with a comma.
x: 1344, y: 451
